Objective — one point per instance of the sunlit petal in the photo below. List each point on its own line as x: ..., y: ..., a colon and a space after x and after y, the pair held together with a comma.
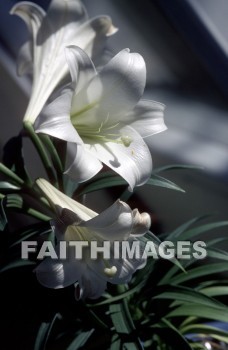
x: 55, y: 120
x: 147, y: 118
x: 132, y: 162
x: 81, y: 165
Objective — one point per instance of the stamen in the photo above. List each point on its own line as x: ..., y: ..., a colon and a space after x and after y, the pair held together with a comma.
x: 110, y: 272
x: 127, y: 140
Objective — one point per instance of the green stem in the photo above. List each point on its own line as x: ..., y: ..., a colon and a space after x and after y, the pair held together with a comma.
x: 55, y: 158
x: 6, y: 171
x: 36, y: 214
x: 42, y: 152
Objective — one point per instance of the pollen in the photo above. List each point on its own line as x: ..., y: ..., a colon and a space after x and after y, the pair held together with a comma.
x: 110, y: 272
x: 127, y: 140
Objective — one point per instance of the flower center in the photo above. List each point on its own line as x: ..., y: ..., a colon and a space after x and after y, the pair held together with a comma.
x: 101, y: 132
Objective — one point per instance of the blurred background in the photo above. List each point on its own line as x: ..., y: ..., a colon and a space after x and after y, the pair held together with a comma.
x: 185, y: 46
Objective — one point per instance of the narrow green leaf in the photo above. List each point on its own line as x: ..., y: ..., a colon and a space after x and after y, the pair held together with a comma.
x: 177, y: 167
x: 188, y: 295
x: 217, y: 254
x: 170, y: 336
x: 156, y: 180
x: 215, y: 291
x: 204, y: 329
x: 44, y: 333
x: 174, y: 235
x: 100, y: 184
x: 3, y: 218
x: 132, y: 346
x: 10, y: 174
x: 116, y: 343
x: 200, y: 311
x: 201, y: 229
x: 16, y: 264
x: 7, y: 186
x: 121, y: 318
x: 80, y: 340
x: 205, y: 270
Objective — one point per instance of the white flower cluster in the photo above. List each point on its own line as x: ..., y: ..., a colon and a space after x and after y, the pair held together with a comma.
x: 102, y: 119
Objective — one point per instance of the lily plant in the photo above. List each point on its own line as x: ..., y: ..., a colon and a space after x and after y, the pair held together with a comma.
x: 75, y: 222
x: 65, y: 23
x: 103, y: 119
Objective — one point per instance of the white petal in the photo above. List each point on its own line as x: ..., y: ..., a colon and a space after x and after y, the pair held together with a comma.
x: 58, y: 198
x: 147, y: 118
x: 115, y: 223
x: 112, y: 93
x: 55, y: 118
x: 92, y: 285
x: 80, y: 164
x: 31, y: 13
x: 59, y: 273
x: 133, y: 163
x: 127, y: 266
x: 25, y: 59
x: 92, y: 35
x: 81, y: 67
x: 123, y: 80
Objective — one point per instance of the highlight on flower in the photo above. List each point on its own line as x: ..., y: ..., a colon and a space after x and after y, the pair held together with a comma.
x: 103, y: 119
x: 75, y: 222
x: 65, y: 23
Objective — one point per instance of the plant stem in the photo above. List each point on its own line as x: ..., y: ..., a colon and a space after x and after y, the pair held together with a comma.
x: 6, y: 171
x: 42, y: 152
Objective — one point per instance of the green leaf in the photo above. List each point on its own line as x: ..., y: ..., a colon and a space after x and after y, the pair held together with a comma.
x: 17, y: 264
x: 179, y: 231
x: 116, y: 343
x: 215, y: 291
x: 201, y: 271
x: 203, y: 329
x: 200, y: 311
x: 6, y: 187
x: 121, y: 318
x: 3, y: 218
x: 170, y: 336
x: 132, y: 346
x: 80, y: 340
x: 177, y: 167
x: 10, y: 174
x: 188, y: 295
x: 156, y: 180
x: 100, y: 184
x: 217, y: 254
x: 44, y: 333
x: 201, y: 229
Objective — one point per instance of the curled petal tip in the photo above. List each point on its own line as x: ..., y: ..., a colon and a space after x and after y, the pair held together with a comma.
x: 141, y: 223
x: 112, y: 30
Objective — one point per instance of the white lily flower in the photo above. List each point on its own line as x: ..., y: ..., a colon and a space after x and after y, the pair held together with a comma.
x: 75, y: 222
x: 103, y: 119
x: 65, y: 23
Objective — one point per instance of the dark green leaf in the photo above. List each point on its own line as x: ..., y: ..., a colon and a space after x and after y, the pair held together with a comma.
x: 17, y: 264
x: 170, y: 336
x: 177, y: 167
x: 215, y: 291
x: 3, y: 218
x: 201, y: 271
x: 44, y: 333
x: 200, y: 311
x: 156, y: 180
x: 80, y: 340
x: 121, y: 318
x: 188, y: 295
